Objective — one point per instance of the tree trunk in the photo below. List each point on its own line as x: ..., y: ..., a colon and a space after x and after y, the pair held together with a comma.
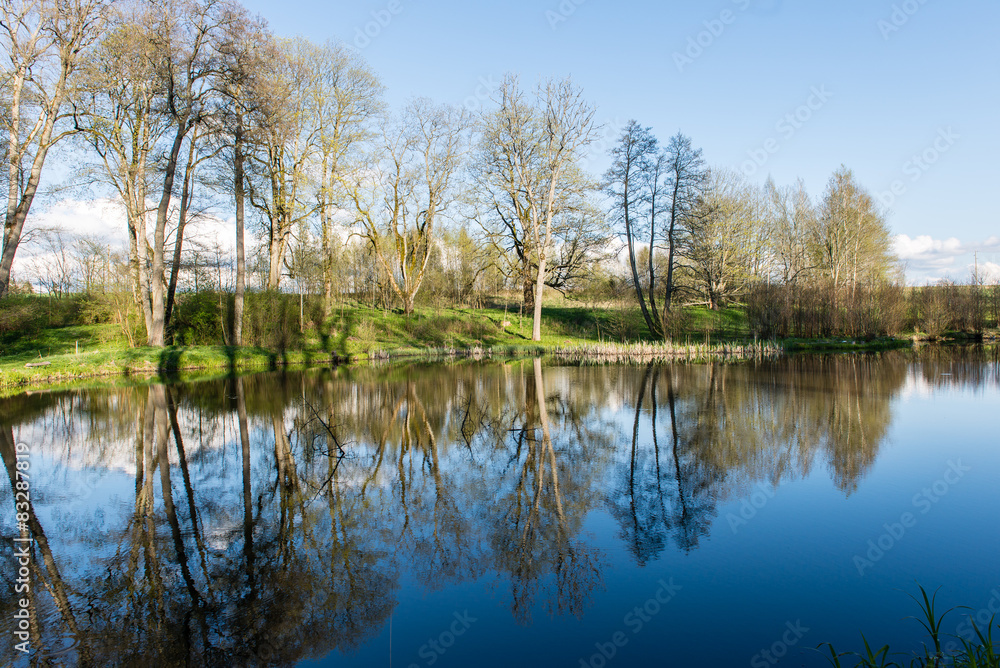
x: 671, y: 249
x: 157, y: 283
x: 175, y: 266
x: 276, y: 254
x: 528, y: 294
x: 536, y: 325
x: 240, y: 244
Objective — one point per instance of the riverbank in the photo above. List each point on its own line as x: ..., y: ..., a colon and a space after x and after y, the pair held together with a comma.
x: 174, y: 363
x: 71, y: 354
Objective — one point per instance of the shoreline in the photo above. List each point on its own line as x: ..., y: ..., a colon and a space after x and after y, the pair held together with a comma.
x: 176, y: 363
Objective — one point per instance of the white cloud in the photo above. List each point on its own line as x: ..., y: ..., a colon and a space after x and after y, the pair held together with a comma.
x: 928, y: 259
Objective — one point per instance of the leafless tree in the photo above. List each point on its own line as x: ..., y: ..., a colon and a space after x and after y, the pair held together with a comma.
x: 529, y: 147
x: 43, y: 42
x: 399, y: 198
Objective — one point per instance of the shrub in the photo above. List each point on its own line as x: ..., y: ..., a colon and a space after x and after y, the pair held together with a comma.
x: 197, y: 319
x: 271, y: 320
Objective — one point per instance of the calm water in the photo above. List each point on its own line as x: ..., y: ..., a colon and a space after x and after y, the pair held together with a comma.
x: 517, y: 514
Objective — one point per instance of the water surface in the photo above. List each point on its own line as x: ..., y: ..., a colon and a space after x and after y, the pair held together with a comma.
x: 497, y: 514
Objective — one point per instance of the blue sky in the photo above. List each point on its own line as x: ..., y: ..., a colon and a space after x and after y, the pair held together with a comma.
x: 888, y: 91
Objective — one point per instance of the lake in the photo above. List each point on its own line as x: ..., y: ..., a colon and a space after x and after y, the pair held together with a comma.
x: 506, y: 513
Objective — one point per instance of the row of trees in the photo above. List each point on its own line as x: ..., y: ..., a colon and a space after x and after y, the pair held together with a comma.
x: 726, y: 234
x: 189, y: 110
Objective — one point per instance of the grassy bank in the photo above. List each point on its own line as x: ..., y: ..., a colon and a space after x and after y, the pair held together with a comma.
x: 60, y: 349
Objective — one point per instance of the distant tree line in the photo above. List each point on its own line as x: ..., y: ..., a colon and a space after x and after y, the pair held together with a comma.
x: 185, y: 111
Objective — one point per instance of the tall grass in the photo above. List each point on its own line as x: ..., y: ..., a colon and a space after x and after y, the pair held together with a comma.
x: 978, y: 652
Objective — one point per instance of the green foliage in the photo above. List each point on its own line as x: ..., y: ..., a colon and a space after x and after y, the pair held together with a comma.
x: 197, y: 319
x: 25, y: 316
x: 271, y: 320
x: 979, y: 652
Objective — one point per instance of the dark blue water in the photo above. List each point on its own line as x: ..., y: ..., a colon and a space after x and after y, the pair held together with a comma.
x: 495, y: 514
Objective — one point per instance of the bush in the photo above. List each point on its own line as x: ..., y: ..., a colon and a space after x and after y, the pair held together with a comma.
x: 197, y: 320
x: 25, y: 316
x: 271, y: 320
x: 819, y: 311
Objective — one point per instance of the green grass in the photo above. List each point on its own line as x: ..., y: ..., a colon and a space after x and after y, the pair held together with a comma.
x: 356, y: 332
x: 978, y: 651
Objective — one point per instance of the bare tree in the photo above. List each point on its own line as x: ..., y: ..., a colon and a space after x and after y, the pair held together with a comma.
x: 242, y: 47
x: 686, y: 174
x: 346, y: 96
x: 43, y: 42
x: 282, y: 143
x: 115, y: 109
x: 186, y: 61
x: 530, y: 146
x: 633, y: 184
x: 854, y: 239
x: 791, y: 231
x: 399, y: 198
x: 724, y: 230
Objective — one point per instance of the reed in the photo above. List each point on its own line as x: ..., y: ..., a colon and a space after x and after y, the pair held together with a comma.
x: 979, y: 652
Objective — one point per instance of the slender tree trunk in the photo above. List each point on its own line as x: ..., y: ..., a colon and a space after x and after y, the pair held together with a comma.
x: 18, y: 213
x: 157, y: 279
x: 651, y: 268
x: 635, y: 274
x: 175, y: 266
x: 327, y: 236
x: 536, y: 325
x: 276, y: 255
x: 241, y: 269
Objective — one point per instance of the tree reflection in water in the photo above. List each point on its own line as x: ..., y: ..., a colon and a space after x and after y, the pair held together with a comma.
x: 269, y: 519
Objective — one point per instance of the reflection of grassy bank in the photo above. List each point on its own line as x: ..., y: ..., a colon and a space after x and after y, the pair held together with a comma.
x: 141, y: 363
x: 844, y: 345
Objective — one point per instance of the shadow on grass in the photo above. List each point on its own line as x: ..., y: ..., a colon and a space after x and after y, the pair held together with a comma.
x: 170, y: 363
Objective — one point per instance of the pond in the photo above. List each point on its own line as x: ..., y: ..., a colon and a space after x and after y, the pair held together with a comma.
x: 505, y: 513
